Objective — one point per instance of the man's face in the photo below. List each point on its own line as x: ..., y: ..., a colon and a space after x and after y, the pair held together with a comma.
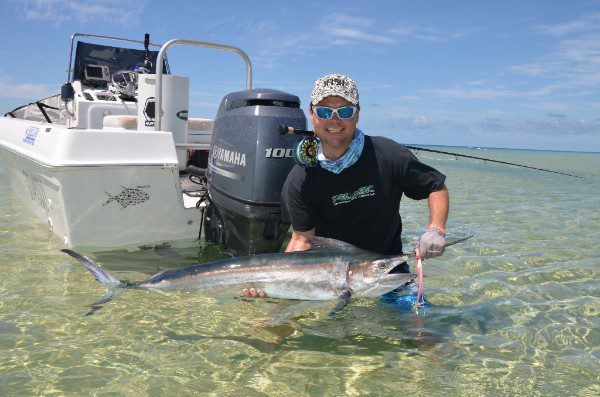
x: 335, y: 134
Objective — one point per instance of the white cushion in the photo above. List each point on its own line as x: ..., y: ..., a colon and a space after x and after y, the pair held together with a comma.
x: 130, y: 123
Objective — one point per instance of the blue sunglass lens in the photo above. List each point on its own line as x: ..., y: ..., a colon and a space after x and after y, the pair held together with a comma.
x: 324, y: 113
x: 345, y: 112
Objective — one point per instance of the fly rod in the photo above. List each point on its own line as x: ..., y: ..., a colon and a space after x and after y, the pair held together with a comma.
x: 416, y: 148
x: 284, y: 129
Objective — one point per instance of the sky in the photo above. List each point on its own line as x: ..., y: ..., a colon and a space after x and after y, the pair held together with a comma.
x: 513, y: 74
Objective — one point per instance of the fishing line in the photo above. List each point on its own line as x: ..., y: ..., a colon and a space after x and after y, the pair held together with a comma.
x: 419, y: 269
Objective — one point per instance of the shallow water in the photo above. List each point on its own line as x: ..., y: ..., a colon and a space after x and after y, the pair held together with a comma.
x: 515, y: 310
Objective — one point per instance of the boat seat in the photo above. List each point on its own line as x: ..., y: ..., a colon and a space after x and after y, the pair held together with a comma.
x: 120, y: 121
x: 130, y: 123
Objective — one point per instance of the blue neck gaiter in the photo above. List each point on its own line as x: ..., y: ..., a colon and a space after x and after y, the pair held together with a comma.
x: 347, y: 159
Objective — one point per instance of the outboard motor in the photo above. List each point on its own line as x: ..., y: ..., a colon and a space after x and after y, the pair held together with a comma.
x: 248, y: 163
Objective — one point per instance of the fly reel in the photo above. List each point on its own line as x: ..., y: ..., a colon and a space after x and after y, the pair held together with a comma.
x: 305, y: 152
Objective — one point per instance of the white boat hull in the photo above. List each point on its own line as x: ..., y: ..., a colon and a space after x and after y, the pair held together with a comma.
x: 99, y: 188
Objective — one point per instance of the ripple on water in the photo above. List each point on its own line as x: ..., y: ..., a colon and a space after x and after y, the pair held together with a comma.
x: 514, y: 311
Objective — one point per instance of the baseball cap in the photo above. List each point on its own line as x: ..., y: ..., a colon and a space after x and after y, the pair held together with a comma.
x: 334, y: 85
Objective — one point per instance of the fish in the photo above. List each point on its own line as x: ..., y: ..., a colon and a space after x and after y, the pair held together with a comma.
x: 129, y: 196
x: 330, y: 270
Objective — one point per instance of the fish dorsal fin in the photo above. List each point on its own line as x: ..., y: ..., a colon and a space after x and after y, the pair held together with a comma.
x: 159, y: 270
x: 324, y: 243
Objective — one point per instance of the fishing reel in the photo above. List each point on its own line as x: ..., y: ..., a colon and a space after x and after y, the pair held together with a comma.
x: 305, y: 149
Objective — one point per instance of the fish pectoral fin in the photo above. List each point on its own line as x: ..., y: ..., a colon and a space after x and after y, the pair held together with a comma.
x: 343, y: 299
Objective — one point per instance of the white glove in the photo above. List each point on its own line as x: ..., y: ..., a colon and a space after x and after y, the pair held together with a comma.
x: 431, y: 243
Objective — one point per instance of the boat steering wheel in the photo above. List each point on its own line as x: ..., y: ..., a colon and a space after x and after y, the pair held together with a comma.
x: 125, y: 81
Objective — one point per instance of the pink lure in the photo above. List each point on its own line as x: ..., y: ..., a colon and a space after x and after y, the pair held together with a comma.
x: 419, y: 267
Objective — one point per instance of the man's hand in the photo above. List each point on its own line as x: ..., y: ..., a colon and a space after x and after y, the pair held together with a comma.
x: 431, y: 243
x: 253, y: 293
x: 298, y: 242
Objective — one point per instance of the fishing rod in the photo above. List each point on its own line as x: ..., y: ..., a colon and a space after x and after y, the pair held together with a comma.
x: 416, y: 148
x: 284, y: 129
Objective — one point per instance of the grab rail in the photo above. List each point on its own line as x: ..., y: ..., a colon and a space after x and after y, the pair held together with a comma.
x: 93, y: 36
x: 159, y: 68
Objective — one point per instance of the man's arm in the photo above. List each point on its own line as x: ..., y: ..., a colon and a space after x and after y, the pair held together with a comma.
x: 431, y: 243
x: 439, y: 205
x: 299, y: 241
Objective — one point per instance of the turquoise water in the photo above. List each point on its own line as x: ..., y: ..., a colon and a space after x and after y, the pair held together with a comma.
x: 514, y: 311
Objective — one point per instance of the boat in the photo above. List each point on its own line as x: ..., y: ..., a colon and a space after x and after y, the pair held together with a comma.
x: 103, y: 169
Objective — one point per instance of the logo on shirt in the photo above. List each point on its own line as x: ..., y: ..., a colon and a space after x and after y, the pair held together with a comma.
x: 365, y: 191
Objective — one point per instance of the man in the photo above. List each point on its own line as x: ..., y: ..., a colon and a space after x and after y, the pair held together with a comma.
x: 354, y: 194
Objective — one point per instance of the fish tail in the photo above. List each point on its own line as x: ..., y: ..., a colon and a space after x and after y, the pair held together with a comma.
x: 110, y: 198
x: 101, y: 274
x: 94, y: 307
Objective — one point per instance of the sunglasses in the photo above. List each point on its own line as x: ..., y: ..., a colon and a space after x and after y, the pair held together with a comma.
x: 324, y: 112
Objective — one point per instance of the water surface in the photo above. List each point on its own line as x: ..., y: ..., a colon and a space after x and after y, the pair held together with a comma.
x: 513, y: 311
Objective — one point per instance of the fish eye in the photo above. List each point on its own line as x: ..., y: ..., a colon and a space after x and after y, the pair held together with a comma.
x: 382, y: 265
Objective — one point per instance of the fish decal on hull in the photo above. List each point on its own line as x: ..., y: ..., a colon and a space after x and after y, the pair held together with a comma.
x: 129, y: 196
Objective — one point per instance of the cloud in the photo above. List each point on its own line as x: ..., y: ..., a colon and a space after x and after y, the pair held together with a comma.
x: 356, y: 34
x: 532, y: 69
x: 450, y: 127
x: 354, y: 28
x: 26, y: 91
x: 420, y: 122
x: 551, y: 107
x: 569, y: 69
x: 341, y: 30
x: 461, y: 92
x: 563, y: 29
x: 425, y: 33
x: 493, y: 124
x: 572, y: 63
x: 584, y: 49
x: 495, y: 113
x: 554, y: 124
x: 561, y: 126
x: 61, y: 11
x: 414, y: 98
x: 468, y: 91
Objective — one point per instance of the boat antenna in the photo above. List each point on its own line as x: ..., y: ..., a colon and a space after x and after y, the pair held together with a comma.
x: 147, y: 63
x: 285, y: 129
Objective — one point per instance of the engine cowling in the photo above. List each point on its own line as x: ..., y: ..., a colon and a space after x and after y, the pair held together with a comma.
x: 249, y: 161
